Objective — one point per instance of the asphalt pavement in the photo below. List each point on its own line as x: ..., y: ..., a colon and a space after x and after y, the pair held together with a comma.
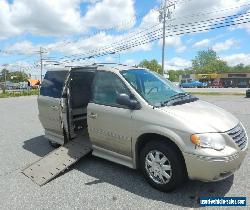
x: 94, y: 183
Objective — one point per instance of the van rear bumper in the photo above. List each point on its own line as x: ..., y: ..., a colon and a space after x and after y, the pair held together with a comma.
x: 209, y: 169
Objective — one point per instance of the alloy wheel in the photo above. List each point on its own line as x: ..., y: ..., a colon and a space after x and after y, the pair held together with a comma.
x: 158, y: 167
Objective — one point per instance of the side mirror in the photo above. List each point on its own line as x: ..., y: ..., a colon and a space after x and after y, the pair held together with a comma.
x: 124, y: 99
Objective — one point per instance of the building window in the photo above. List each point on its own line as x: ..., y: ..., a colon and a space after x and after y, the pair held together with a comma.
x: 237, y: 75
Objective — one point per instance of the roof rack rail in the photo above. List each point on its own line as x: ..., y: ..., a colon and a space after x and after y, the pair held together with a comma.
x: 120, y: 64
x: 79, y: 66
x: 99, y: 64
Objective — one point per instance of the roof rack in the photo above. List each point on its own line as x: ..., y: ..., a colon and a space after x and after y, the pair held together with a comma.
x: 79, y: 66
x: 118, y: 64
x: 101, y: 64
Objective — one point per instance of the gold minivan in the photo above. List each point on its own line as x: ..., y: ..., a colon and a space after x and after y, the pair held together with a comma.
x: 137, y: 118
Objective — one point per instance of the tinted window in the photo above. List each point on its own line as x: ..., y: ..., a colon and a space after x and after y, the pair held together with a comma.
x: 53, y: 83
x: 107, y: 86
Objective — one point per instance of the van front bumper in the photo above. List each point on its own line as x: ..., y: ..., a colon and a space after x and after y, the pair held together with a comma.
x: 209, y: 169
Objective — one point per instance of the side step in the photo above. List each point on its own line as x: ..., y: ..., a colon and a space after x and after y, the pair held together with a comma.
x: 58, y: 160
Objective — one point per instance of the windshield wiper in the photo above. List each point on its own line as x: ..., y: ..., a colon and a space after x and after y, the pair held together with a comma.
x: 179, y: 98
x: 180, y: 95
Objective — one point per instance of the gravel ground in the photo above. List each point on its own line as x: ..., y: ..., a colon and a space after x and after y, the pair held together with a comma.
x: 94, y: 183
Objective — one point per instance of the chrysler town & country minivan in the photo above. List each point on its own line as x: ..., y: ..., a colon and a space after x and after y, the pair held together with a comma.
x: 137, y: 118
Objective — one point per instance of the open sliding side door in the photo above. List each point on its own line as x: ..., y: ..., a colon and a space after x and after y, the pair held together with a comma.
x: 74, y: 148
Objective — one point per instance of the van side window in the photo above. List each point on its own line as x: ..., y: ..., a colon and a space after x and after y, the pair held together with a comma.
x: 53, y: 83
x: 106, y: 87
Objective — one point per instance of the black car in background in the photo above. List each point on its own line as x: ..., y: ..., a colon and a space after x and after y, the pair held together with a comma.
x: 242, y: 84
x: 248, y: 93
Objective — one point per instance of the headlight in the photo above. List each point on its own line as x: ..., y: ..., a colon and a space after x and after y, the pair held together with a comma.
x: 209, y: 140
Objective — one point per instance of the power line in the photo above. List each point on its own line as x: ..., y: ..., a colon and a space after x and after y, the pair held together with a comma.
x: 152, y: 34
x: 133, y: 33
x: 176, y: 33
x: 194, y: 30
x: 117, y: 26
x: 202, y: 13
x: 135, y: 36
x: 196, y: 15
x: 143, y: 31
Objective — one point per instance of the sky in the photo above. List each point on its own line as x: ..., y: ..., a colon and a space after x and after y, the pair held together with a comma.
x: 68, y: 29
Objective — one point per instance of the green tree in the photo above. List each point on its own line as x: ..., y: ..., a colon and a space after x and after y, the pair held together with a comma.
x: 247, y: 68
x: 174, y: 75
x: 4, y: 73
x: 18, y: 76
x: 152, y: 65
x: 15, y: 76
x: 208, y: 62
x: 239, y: 68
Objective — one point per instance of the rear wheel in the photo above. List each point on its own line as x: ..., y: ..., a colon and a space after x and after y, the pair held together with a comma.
x: 162, y: 165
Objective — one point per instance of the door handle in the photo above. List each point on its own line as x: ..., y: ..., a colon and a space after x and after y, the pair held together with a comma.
x: 54, y: 107
x: 93, y: 115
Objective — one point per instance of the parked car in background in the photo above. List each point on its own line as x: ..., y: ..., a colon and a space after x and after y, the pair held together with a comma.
x: 177, y: 84
x: 23, y: 85
x: 194, y: 84
x: 248, y: 93
x: 8, y: 85
x: 242, y: 84
x: 13, y: 86
x: 216, y: 84
x: 228, y: 84
x: 16, y: 86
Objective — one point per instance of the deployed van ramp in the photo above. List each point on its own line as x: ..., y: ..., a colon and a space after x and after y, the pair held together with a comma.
x: 57, y: 161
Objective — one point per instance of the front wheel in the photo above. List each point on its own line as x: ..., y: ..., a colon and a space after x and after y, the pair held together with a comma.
x: 162, y: 166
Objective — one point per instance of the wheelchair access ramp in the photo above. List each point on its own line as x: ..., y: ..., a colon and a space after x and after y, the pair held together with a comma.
x: 58, y: 160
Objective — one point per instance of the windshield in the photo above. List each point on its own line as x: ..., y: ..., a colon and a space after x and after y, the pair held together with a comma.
x: 154, y: 88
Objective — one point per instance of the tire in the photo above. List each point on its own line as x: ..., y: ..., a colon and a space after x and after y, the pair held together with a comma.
x: 173, y: 160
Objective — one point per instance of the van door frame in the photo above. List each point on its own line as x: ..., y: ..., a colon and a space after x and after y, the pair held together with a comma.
x: 66, y: 109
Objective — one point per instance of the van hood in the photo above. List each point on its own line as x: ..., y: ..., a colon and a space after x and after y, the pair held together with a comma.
x: 202, y: 117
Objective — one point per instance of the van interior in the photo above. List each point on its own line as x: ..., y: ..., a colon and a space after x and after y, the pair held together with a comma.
x: 80, y: 94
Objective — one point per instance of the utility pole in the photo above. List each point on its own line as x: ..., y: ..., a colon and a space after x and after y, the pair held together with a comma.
x: 164, y: 37
x: 5, y: 77
x: 41, y: 64
x: 41, y: 51
x: 164, y: 13
x: 5, y: 80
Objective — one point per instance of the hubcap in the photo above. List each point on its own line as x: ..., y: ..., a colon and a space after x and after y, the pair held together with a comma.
x: 158, y: 167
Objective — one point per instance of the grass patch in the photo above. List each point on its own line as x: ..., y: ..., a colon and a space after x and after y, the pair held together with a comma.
x: 217, y: 94
x: 19, y: 93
